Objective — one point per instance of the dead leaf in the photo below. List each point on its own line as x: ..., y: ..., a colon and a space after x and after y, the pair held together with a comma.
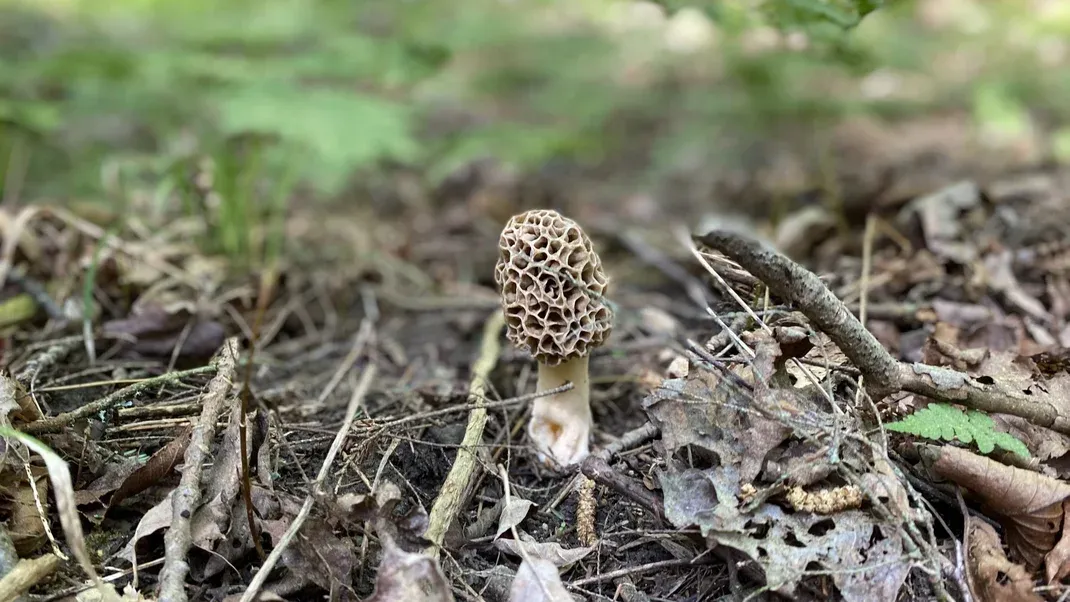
x: 551, y: 551
x: 24, y: 523
x: 999, y: 269
x: 63, y: 491
x: 1029, y: 505
x: 405, y: 576
x: 940, y: 222
x: 513, y: 514
x: 538, y: 581
x: 320, y: 557
x: 785, y: 545
x: 114, y: 474
x: 1057, y: 562
x: 156, y: 518
x: 708, y: 410
x: 156, y: 332
x: 992, y: 577
x: 152, y: 472
x: 211, y: 520
x: 16, y: 405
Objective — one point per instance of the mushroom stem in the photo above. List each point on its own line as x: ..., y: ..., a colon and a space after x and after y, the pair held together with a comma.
x: 561, y: 423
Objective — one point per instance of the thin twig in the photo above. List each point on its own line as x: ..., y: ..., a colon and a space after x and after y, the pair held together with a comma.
x: 632, y: 570
x: 449, y: 499
x: 187, y: 495
x: 61, y: 422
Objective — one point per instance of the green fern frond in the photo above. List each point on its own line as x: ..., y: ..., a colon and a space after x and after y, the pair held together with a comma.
x: 942, y: 421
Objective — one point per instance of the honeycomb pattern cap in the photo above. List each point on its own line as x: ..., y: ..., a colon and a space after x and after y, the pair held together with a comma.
x: 552, y: 287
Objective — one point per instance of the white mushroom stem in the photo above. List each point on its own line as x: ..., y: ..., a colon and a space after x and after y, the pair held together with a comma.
x: 561, y: 423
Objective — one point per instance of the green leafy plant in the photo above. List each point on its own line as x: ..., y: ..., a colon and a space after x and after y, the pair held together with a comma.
x: 941, y: 421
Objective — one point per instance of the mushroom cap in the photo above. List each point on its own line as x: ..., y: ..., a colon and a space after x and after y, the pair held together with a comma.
x: 552, y: 286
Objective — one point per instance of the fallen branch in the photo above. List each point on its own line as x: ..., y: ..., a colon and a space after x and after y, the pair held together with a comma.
x: 448, y: 502
x: 884, y: 375
x: 187, y: 495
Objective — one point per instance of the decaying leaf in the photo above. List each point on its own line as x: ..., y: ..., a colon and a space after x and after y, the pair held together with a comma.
x: 538, y: 581
x: 115, y: 473
x: 16, y: 405
x: 159, y: 465
x: 24, y: 523
x: 939, y: 216
x: 709, y: 410
x: 156, y: 332
x: 992, y: 577
x: 552, y: 552
x: 322, y: 558
x: 513, y: 514
x: 785, y: 544
x: 405, y: 576
x: 1057, y: 562
x: 156, y: 518
x: 211, y: 520
x: 1029, y: 505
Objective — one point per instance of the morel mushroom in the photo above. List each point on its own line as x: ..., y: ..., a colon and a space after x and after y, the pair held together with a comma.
x: 553, y: 288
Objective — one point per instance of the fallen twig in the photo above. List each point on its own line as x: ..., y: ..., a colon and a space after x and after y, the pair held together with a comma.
x: 884, y: 374
x: 187, y: 495
x: 597, y: 469
x: 61, y: 422
x: 448, y: 502
x: 644, y: 568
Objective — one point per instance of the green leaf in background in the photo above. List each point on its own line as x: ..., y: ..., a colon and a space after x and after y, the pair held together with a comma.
x: 999, y: 113
x: 339, y: 130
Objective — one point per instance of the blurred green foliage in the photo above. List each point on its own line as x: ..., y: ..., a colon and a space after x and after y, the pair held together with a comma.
x: 131, y: 91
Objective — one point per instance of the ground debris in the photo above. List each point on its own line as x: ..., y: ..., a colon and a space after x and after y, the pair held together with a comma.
x: 749, y: 435
x: 994, y: 578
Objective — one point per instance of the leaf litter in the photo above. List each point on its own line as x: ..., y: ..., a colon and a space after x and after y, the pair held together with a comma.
x: 775, y: 460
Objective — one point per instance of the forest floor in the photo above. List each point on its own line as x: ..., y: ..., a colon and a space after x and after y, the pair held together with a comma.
x: 741, y: 466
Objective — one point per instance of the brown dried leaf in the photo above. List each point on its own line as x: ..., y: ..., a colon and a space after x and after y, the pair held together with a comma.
x: 24, y: 523
x: 156, y: 332
x: 158, y: 517
x: 992, y: 577
x: 63, y: 492
x: 1057, y: 562
x: 939, y: 215
x: 538, y: 581
x: 16, y: 405
x: 708, y: 409
x: 114, y: 474
x: 320, y: 557
x: 1030, y: 505
x: 152, y: 472
x: 962, y: 315
x: 1000, y: 271
x: 404, y: 576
